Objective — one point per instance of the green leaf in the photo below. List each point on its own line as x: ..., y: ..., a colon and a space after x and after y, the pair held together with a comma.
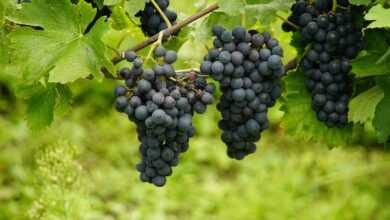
x: 134, y: 6
x: 40, y: 108
x: 380, y: 17
x: 192, y: 52
x: 112, y: 2
x: 382, y: 113
x: 231, y: 7
x: 62, y: 50
x: 300, y: 120
x: 119, y: 18
x: 360, y: 2
x: 222, y: 18
x: 372, y: 61
x: 266, y: 10
x: 64, y: 99
x: 362, y: 107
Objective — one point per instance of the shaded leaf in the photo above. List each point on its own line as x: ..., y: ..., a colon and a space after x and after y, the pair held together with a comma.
x: 382, y: 113
x: 362, y: 107
x: 300, y: 120
x: 40, y: 108
x: 372, y: 62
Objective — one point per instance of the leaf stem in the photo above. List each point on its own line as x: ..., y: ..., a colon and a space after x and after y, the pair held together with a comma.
x: 154, y: 46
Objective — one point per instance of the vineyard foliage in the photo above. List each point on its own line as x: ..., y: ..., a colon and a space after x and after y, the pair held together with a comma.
x: 46, y: 46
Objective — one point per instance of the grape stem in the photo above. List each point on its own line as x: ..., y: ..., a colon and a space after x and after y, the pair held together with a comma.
x: 334, y: 5
x: 287, y: 21
x: 162, y: 14
x: 154, y: 46
x: 169, y: 31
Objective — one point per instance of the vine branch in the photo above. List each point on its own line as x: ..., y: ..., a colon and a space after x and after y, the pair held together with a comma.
x: 169, y: 31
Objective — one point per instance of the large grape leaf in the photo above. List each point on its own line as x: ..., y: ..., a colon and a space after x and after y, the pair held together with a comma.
x: 192, y: 52
x: 382, y: 113
x: 362, y: 107
x: 266, y: 10
x: 380, y: 17
x: 231, y: 7
x: 55, y: 41
x: 374, y: 60
x: 252, y: 11
x: 300, y: 120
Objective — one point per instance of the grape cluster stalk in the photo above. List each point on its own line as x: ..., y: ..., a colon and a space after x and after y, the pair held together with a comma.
x: 151, y: 20
x: 332, y: 40
x: 248, y: 66
x: 162, y: 104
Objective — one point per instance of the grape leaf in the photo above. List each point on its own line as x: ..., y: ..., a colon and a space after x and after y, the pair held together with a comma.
x: 56, y: 41
x: 300, y: 120
x: 119, y: 18
x: 64, y: 99
x: 380, y: 17
x: 40, y: 108
x: 111, y: 2
x: 362, y: 107
x: 134, y: 6
x: 372, y: 61
x: 192, y: 52
x: 221, y: 18
x: 266, y: 10
x: 382, y: 113
x: 360, y: 2
x: 231, y: 7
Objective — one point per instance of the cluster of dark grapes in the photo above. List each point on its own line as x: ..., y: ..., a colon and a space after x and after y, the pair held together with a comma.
x: 332, y: 40
x: 248, y: 67
x: 162, y: 105
x: 151, y: 20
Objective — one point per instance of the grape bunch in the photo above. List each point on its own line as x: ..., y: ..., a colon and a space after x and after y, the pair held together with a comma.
x: 162, y: 104
x: 248, y: 67
x: 332, y: 41
x: 151, y: 20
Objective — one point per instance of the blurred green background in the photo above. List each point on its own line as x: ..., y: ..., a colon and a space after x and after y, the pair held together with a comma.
x: 83, y: 168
